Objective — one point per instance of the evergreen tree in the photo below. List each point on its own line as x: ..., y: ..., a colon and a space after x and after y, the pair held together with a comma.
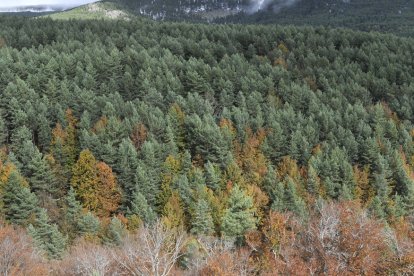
x: 376, y: 209
x: 3, y: 130
x: 89, y: 225
x: 47, y: 237
x: 115, y: 233
x: 239, y: 216
x: 293, y: 201
x: 140, y: 208
x: 40, y: 175
x: 202, y: 220
x: 20, y: 205
x: 212, y: 175
x: 126, y: 169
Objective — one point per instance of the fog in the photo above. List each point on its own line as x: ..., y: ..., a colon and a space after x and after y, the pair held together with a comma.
x: 277, y: 5
x: 24, y: 3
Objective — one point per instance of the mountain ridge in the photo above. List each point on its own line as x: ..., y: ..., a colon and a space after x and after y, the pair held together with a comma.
x: 382, y: 15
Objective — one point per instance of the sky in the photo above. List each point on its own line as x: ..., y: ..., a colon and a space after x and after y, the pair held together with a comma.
x: 19, y: 3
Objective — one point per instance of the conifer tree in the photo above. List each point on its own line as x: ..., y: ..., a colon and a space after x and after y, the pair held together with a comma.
x: 89, y: 225
x: 126, y: 169
x: 202, y: 220
x: 312, y: 182
x: 115, y: 233
x: 212, y: 175
x: 3, y: 130
x: 47, y: 236
x: 140, y: 208
x: 20, y: 205
x: 376, y: 209
x: 40, y: 175
x: 293, y: 201
x: 239, y: 216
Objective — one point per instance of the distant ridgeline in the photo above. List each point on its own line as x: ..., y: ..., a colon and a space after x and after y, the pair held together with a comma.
x: 378, y: 15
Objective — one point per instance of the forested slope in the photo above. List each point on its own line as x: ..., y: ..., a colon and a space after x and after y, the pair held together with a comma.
x: 267, y: 136
x: 392, y: 16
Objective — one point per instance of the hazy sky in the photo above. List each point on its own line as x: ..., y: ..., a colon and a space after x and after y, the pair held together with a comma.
x: 17, y: 3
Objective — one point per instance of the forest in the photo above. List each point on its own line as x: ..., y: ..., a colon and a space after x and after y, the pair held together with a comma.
x: 157, y: 148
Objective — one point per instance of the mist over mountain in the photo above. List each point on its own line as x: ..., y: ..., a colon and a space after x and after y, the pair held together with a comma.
x: 393, y: 16
x: 39, y: 6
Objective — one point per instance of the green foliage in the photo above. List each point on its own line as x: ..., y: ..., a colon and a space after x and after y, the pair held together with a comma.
x: 140, y: 207
x: 47, y: 237
x: 202, y: 220
x: 178, y: 114
x: 89, y: 225
x: 115, y: 233
x: 239, y: 216
x: 20, y: 205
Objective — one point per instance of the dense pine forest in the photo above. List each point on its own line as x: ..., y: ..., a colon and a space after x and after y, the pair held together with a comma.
x: 148, y: 148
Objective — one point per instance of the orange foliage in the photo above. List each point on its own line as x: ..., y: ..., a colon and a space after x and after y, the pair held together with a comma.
x: 250, y: 158
x: 288, y: 167
x: 96, y: 185
x: 17, y: 256
x: 139, y: 135
x: 363, y: 191
x: 280, y: 62
x: 260, y: 200
x: 107, y: 192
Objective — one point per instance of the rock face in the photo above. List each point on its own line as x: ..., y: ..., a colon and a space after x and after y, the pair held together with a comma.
x: 109, y: 13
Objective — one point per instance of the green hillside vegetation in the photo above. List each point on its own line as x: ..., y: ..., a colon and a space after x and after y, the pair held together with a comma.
x: 393, y: 16
x: 161, y: 148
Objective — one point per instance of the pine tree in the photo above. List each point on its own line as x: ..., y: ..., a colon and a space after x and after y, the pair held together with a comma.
x: 293, y: 201
x: 115, y: 233
x: 72, y: 214
x: 40, y: 175
x: 277, y: 197
x: 140, y: 208
x: 126, y: 169
x: 144, y: 186
x: 74, y: 208
x: 239, y: 216
x: 404, y: 183
x: 212, y: 175
x: 89, y: 225
x: 376, y: 209
x: 47, y: 236
x: 3, y: 130
x: 20, y: 204
x: 312, y: 182
x: 202, y: 221
x: 400, y: 208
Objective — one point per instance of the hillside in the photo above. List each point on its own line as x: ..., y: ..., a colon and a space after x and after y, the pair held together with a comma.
x: 383, y: 15
x: 394, y: 16
x: 169, y: 148
x: 98, y: 10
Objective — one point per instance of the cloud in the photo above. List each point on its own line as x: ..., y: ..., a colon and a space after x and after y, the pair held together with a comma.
x: 22, y: 3
x: 276, y: 5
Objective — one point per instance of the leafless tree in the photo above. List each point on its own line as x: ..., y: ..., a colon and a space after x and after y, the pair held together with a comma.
x: 17, y: 255
x: 153, y: 250
x: 87, y: 258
